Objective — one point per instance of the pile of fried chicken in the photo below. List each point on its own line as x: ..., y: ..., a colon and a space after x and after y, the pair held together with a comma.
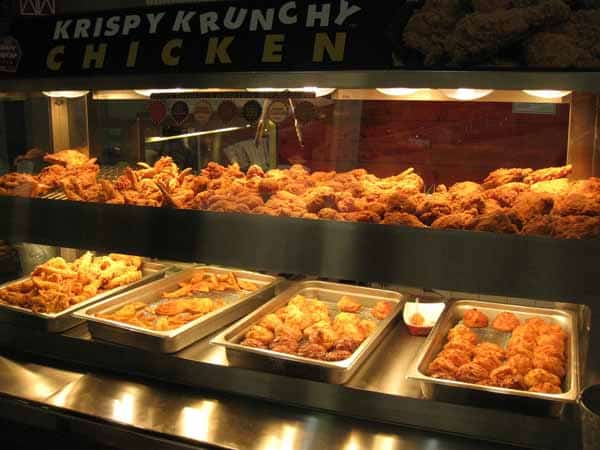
x: 304, y: 327
x: 540, y: 202
x: 534, y: 358
x: 539, y: 33
x: 65, y: 167
x: 57, y: 284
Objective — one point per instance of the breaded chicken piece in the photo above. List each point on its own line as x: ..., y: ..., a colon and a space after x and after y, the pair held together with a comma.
x: 539, y: 226
x: 559, y: 186
x: 479, y: 36
x: 506, y: 194
x: 400, y: 218
x: 549, y: 173
x: 529, y: 205
x: 457, y: 221
x: 497, y: 222
x: 576, y: 227
x: 433, y: 207
x: 503, y: 176
x: 577, y: 205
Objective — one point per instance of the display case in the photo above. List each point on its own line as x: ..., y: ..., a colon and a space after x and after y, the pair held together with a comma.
x: 187, y: 134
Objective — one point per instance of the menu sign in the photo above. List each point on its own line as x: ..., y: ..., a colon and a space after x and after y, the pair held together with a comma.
x: 280, y: 35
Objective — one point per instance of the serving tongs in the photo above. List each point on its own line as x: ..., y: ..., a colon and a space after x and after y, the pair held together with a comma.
x: 296, y: 123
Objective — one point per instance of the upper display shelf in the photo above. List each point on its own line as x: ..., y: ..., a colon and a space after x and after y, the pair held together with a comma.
x: 499, y: 44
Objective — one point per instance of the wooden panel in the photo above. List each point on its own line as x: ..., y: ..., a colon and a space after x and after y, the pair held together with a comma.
x: 582, y: 134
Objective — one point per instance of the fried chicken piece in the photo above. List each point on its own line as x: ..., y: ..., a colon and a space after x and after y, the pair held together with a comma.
x: 347, y: 345
x: 404, y: 219
x: 323, y: 336
x: 491, y: 5
x: 539, y: 226
x: 497, y: 222
x: 532, y: 204
x: 463, y: 333
x: 471, y: 373
x: 67, y: 158
x: 507, y: 194
x: 559, y: 186
x: 457, y: 357
x: 489, y: 361
x: 504, y: 176
x: 486, y: 348
x: 362, y: 216
x: 428, y: 29
x: 589, y: 187
x: 506, y: 321
x: 576, y: 227
x: 433, y: 207
x: 401, y: 202
x: 473, y: 318
x: 367, y: 327
x: 549, y: 363
x: 382, y: 310
x: 320, y: 198
x: 253, y: 343
x: 313, y: 351
x: 555, y: 340
x: 462, y: 345
x: 507, y: 377
x: 329, y: 214
x: 285, y: 345
x: 480, y: 36
x: 540, y: 376
x: 348, y: 304
x: 521, y: 363
x: 456, y: 221
x: 271, y: 322
x: 577, y: 205
x: 546, y: 388
x: 442, y: 367
x: 549, y: 173
x: 261, y: 334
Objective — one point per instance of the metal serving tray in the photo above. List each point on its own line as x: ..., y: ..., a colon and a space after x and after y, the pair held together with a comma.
x: 453, y: 314
x: 62, y: 321
x: 237, y: 305
x: 332, y: 372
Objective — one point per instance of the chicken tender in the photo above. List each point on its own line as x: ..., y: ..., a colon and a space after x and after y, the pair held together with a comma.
x: 474, y: 318
x: 348, y: 304
x: 506, y: 321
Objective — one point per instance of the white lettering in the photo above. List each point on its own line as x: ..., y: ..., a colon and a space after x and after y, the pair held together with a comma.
x: 154, y: 20
x: 98, y: 26
x: 131, y: 22
x: 60, y: 30
x: 81, y: 28
x: 286, y: 13
x: 112, y: 26
x: 182, y: 21
x: 264, y: 19
x: 231, y: 23
x: 208, y: 22
x: 315, y: 14
x: 345, y: 12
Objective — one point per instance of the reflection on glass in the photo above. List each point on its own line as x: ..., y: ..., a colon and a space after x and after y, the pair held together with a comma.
x: 123, y: 409
x: 353, y: 442
x: 280, y: 438
x: 384, y: 442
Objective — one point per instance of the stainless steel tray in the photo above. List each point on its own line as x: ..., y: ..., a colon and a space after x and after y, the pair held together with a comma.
x: 62, y: 321
x: 237, y: 305
x: 453, y: 314
x: 332, y: 372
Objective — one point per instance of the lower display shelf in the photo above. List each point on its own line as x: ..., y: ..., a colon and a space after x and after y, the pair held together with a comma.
x: 378, y: 392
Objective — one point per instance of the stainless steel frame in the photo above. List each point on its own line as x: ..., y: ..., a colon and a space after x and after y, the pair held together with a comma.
x: 293, y: 365
x: 62, y: 321
x: 174, y: 340
x: 453, y: 314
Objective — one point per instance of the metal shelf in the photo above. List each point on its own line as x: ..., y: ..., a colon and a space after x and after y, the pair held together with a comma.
x: 484, y: 263
x: 356, y: 79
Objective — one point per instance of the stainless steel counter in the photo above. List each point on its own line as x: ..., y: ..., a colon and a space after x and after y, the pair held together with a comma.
x: 185, y: 416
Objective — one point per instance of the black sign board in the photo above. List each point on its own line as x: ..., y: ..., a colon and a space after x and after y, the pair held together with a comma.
x: 283, y: 35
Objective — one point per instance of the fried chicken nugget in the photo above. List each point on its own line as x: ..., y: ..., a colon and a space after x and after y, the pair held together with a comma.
x: 473, y: 318
x: 348, y: 304
x: 540, y: 376
x: 471, y: 373
x: 506, y: 321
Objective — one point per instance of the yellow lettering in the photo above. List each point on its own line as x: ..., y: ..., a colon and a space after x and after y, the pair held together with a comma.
x: 94, y: 56
x: 217, y: 49
x: 273, y: 48
x: 323, y: 44
x: 52, y: 61
x: 133, y: 52
x: 167, y: 53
